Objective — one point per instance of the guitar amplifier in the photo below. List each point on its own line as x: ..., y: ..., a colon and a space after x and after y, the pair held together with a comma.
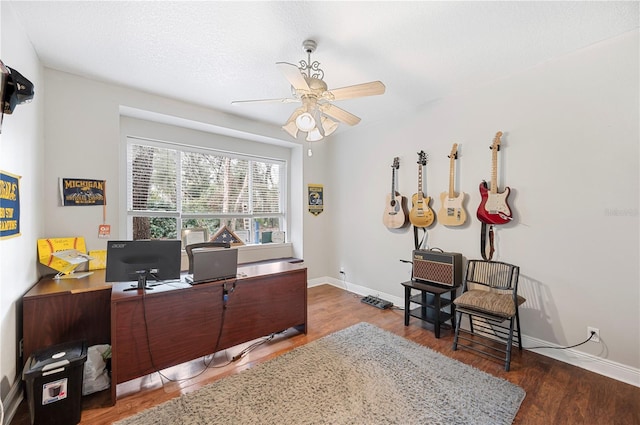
x: 442, y: 268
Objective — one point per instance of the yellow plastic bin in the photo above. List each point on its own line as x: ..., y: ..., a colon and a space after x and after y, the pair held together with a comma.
x: 53, y: 379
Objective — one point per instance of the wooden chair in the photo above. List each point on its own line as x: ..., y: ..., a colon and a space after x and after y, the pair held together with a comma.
x: 490, y: 299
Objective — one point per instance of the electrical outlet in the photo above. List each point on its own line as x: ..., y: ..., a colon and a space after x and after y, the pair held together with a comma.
x: 596, y: 335
x: 341, y: 270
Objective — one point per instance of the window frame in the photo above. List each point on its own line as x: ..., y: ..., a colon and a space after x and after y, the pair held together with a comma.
x: 282, y: 216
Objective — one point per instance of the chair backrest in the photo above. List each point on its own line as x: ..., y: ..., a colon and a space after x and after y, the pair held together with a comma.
x: 491, y: 275
x: 190, y: 248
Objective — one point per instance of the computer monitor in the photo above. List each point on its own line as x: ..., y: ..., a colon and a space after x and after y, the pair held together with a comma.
x: 143, y: 259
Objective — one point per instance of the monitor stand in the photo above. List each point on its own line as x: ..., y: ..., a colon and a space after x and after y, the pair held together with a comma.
x: 142, y: 281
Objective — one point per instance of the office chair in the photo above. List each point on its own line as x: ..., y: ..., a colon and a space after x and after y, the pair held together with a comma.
x: 490, y: 299
x: 191, y: 247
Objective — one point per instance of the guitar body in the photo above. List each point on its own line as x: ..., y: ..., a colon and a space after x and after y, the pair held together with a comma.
x: 421, y: 214
x: 394, y: 215
x: 451, y: 212
x: 493, y: 208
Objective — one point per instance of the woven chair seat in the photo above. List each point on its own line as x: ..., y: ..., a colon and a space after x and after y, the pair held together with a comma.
x: 493, y: 303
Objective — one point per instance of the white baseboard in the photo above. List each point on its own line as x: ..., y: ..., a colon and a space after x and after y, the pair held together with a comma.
x: 356, y: 289
x: 605, y: 367
x: 611, y: 369
x: 12, y: 401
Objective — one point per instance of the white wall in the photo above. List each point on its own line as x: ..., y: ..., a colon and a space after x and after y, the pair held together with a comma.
x: 570, y: 155
x: 21, y: 153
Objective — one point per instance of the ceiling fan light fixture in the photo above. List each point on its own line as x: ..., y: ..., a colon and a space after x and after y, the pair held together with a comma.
x: 305, y: 122
x: 329, y: 126
x: 291, y: 128
x: 314, y: 135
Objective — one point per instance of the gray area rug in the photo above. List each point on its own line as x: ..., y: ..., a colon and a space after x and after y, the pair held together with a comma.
x: 359, y: 375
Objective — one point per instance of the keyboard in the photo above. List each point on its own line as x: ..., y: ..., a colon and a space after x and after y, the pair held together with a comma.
x: 377, y: 302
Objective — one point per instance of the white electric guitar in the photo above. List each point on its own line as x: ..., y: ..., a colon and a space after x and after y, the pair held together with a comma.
x: 451, y: 212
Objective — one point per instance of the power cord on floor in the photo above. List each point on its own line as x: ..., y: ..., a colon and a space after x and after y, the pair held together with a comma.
x: 563, y: 348
x: 254, y: 346
x: 210, y: 364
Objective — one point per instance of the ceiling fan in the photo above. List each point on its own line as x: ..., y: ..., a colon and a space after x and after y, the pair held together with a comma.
x: 317, y: 116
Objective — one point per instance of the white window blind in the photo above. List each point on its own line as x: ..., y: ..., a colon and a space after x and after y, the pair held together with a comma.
x: 172, y: 187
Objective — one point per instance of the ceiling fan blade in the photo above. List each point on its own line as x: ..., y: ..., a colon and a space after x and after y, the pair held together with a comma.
x: 293, y: 75
x: 283, y: 100
x: 339, y: 114
x: 359, y: 90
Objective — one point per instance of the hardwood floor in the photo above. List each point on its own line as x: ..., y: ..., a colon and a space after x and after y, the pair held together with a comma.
x: 557, y: 393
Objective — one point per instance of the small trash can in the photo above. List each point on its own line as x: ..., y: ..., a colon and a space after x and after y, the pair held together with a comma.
x: 53, y: 379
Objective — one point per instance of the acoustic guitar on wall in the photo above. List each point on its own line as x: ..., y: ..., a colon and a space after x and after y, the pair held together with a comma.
x: 451, y: 212
x: 395, y: 215
x: 493, y: 208
x: 421, y: 214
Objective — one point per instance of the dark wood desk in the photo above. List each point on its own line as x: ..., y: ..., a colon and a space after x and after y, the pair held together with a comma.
x: 177, y: 322
x: 59, y: 311
x: 269, y: 298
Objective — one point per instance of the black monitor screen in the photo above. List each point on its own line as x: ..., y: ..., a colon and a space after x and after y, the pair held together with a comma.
x: 143, y: 259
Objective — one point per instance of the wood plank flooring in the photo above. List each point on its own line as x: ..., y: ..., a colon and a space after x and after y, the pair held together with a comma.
x: 557, y: 393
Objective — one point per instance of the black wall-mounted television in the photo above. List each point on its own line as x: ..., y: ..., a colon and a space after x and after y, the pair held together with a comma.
x: 141, y: 260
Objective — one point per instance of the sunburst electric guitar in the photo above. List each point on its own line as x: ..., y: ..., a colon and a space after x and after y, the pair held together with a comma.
x: 493, y: 208
x: 421, y: 214
x: 395, y: 215
x: 451, y: 212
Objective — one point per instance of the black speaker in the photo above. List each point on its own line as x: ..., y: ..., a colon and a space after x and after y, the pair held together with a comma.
x: 16, y: 89
x: 442, y: 268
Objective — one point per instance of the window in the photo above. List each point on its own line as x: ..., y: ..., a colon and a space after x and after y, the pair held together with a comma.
x: 172, y: 187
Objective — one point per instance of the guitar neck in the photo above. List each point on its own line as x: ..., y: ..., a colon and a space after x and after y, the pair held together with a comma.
x: 419, y: 192
x: 494, y: 171
x: 451, y: 191
x: 495, y: 147
x: 393, y: 182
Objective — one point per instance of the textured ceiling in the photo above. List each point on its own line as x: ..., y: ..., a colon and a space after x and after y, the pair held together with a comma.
x: 211, y: 53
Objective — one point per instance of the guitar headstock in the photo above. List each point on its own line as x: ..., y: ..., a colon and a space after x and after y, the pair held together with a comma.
x: 396, y: 163
x: 454, y: 151
x: 422, y: 158
x: 496, y: 141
